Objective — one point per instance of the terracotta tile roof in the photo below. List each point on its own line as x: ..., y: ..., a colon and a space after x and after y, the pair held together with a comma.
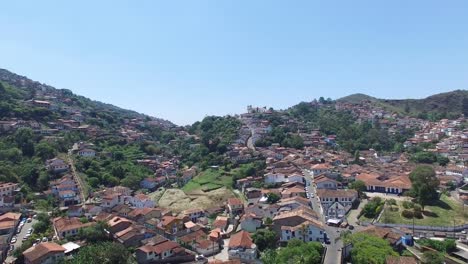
x: 321, y: 166
x: 34, y: 254
x: 326, y: 193
x: 235, y: 201
x: 117, y: 220
x: 160, y: 248
x: 382, y: 232
x: 241, y: 240
x: 65, y: 224
x: 220, y: 222
x: 142, y: 211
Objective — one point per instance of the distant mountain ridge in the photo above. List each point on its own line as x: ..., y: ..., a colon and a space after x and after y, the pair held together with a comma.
x: 33, y: 88
x: 454, y: 102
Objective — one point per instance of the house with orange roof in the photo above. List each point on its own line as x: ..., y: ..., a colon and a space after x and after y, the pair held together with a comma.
x: 8, y: 222
x: 162, y: 251
x: 323, y: 182
x: 384, y: 184
x: 221, y: 222
x: 241, y: 247
x: 320, y: 168
x: 301, y: 223
x: 141, y: 215
x: 293, y: 192
x: 65, y: 226
x: 44, y: 253
x: 235, y: 206
x: 172, y: 224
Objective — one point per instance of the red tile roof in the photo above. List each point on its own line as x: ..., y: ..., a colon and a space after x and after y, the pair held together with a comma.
x: 241, y: 240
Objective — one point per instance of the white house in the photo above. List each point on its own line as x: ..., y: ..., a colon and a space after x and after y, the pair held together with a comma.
x: 141, y: 201
x: 86, y: 153
x: 273, y: 178
x: 320, y: 168
x: 250, y: 222
x: 111, y: 200
x: 56, y: 165
x: 322, y: 182
x: 306, y: 231
x: 336, y: 203
x: 241, y: 247
x: 7, y: 188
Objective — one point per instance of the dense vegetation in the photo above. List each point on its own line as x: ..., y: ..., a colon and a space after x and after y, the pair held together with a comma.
x: 103, y: 253
x: 296, y: 252
x: 446, y: 246
x: 445, y: 105
x: 369, y: 249
x: 351, y: 135
x: 424, y: 185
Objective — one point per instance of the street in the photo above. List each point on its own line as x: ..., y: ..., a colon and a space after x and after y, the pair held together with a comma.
x: 20, y: 236
x: 333, y: 255
x: 223, y: 255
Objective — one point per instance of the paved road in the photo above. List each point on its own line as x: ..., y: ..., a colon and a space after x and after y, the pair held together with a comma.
x: 223, y: 255
x: 77, y: 178
x: 20, y: 236
x: 250, y: 143
x: 333, y: 255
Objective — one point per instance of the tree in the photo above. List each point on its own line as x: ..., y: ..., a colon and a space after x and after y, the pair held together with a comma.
x: 265, y: 239
x: 95, y: 233
x: 424, y: 184
x: 45, y: 151
x: 24, y: 138
x: 433, y: 257
x: 359, y: 186
x: 465, y: 106
x: 273, y: 198
x: 103, y: 253
x: 369, y: 249
x: 443, y: 161
x: 296, y: 252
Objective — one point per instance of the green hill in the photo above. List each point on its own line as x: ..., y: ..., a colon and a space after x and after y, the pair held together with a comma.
x: 450, y: 104
x: 356, y: 98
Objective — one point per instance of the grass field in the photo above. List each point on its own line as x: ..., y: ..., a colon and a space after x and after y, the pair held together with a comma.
x: 209, y: 180
x: 446, y: 212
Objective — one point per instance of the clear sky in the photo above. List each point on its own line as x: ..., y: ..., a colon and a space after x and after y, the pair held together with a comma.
x: 182, y: 60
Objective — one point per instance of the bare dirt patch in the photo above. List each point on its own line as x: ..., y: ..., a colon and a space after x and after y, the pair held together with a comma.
x: 177, y: 200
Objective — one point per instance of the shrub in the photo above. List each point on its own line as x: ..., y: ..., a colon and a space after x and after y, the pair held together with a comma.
x: 392, y: 202
x: 417, y: 208
x: 407, y: 213
x: 408, y: 204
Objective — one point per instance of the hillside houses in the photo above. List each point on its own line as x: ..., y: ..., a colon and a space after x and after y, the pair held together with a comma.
x: 57, y: 165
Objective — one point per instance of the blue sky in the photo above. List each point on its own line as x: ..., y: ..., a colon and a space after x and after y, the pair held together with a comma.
x: 182, y: 60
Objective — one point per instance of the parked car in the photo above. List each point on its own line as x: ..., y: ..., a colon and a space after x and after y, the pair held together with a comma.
x: 29, y: 220
x: 13, y: 240
x: 44, y: 239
